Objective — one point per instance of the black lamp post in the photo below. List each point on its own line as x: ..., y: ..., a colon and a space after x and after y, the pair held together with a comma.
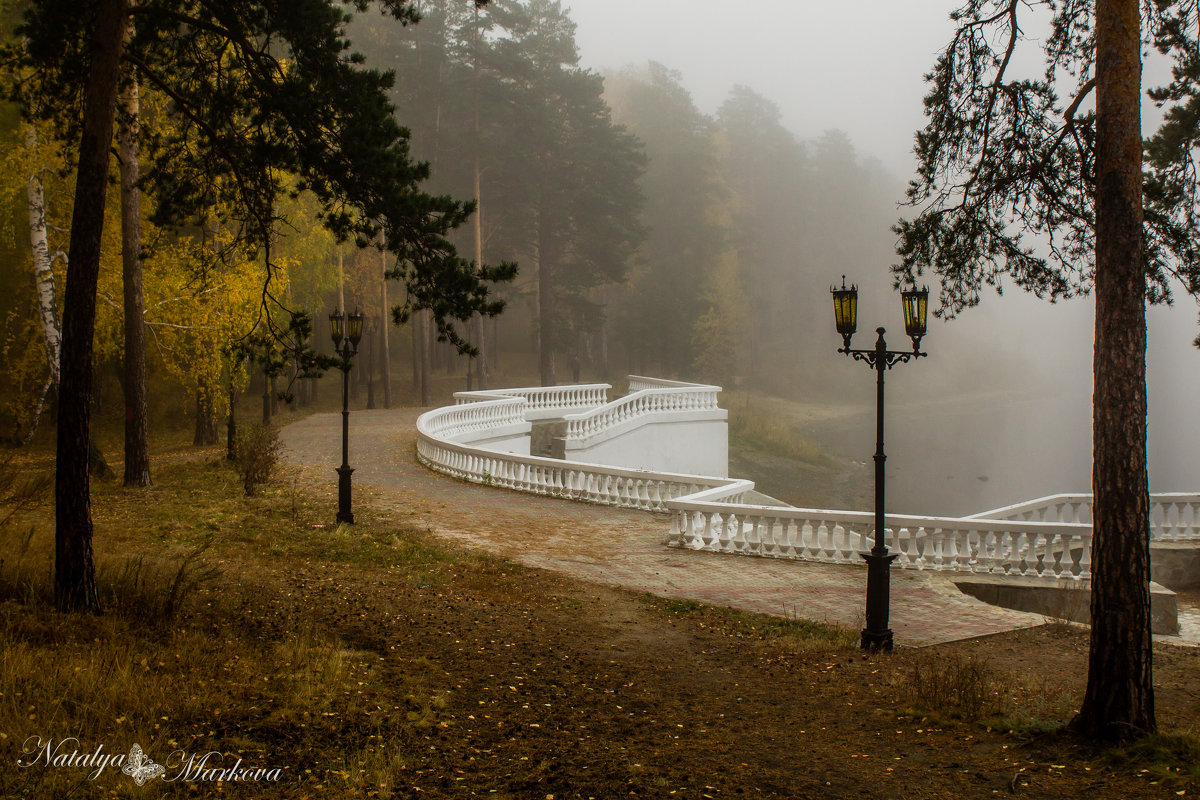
x: 877, y: 635
x: 348, y: 327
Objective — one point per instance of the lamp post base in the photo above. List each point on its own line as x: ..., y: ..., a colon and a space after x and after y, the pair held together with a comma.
x: 344, y: 513
x: 876, y: 641
x: 877, y: 635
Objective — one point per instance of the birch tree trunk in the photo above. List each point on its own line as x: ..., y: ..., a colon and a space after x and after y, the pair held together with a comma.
x: 43, y: 276
x: 137, y: 443
x: 43, y: 265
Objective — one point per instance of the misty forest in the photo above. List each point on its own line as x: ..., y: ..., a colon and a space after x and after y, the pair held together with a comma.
x: 249, y: 240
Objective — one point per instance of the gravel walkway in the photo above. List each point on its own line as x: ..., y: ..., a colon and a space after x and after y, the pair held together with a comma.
x: 619, y: 547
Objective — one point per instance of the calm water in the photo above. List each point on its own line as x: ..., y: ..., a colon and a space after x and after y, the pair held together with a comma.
x: 960, y: 439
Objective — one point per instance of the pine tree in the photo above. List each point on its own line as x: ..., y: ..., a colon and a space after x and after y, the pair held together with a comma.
x: 1003, y: 161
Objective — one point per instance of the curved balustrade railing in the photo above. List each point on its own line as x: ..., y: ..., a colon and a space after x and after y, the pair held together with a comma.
x: 473, y: 418
x: 641, y: 403
x: 1032, y: 549
x: 639, y: 382
x: 438, y: 429
x: 1174, y: 516
x: 546, y: 398
x: 1047, y: 538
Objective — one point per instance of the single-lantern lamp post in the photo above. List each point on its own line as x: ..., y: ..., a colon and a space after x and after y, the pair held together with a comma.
x: 346, y: 332
x: 877, y: 635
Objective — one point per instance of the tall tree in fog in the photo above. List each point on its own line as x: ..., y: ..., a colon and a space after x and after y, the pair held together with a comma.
x: 569, y: 177
x: 1004, y: 160
x: 767, y: 174
x: 666, y: 294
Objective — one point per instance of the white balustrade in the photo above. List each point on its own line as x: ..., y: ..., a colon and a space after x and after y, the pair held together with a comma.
x: 643, y: 402
x: 594, y: 483
x: 454, y: 421
x: 1032, y: 549
x: 546, y: 398
x: 1047, y: 538
x: 638, y: 382
x: 1173, y: 516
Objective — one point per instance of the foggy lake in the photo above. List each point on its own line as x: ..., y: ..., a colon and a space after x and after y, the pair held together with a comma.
x: 960, y: 447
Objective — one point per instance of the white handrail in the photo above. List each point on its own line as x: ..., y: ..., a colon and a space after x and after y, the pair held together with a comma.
x: 639, y: 405
x: 540, y: 398
x: 1174, y: 516
x: 1031, y: 549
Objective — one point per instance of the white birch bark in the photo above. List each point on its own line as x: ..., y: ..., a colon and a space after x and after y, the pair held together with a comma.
x: 43, y: 264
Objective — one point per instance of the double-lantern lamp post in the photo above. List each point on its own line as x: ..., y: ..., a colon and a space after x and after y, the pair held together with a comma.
x: 346, y: 331
x: 877, y: 635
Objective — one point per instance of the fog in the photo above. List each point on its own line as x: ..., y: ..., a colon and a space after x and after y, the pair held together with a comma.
x: 1000, y: 411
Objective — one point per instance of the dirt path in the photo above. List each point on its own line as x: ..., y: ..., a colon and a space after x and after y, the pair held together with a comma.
x: 617, y: 547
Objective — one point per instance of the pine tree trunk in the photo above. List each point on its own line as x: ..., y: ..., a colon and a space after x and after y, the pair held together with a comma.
x: 1119, y: 700
x: 74, y: 564
x: 545, y: 310
x: 481, y: 361
x: 385, y: 326
x: 414, y: 334
x: 137, y: 442
x: 426, y: 358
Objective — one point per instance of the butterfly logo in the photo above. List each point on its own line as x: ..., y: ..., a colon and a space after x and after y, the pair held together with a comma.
x: 139, y: 766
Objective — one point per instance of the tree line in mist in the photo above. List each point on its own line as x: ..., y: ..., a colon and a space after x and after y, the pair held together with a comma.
x: 650, y: 237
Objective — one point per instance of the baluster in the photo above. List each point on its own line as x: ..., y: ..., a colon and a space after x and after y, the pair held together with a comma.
x: 1085, y: 558
x: 841, y: 544
x: 987, y: 551
x: 796, y: 537
x: 775, y: 536
x: 1020, y: 554
x: 710, y: 531
x: 824, y: 540
x: 747, y: 535
x: 696, y: 528
x: 916, y: 551
x: 790, y: 530
x: 932, y: 553
x: 734, y: 535
x: 1058, y: 542
x: 1158, y: 521
x: 952, y: 549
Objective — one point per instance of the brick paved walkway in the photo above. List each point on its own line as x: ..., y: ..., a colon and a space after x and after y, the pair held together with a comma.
x: 620, y: 547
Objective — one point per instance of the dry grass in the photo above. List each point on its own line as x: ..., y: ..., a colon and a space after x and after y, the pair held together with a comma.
x: 954, y: 686
x: 201, y: 647
x: 755, y: 425
x: 799, y: 636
